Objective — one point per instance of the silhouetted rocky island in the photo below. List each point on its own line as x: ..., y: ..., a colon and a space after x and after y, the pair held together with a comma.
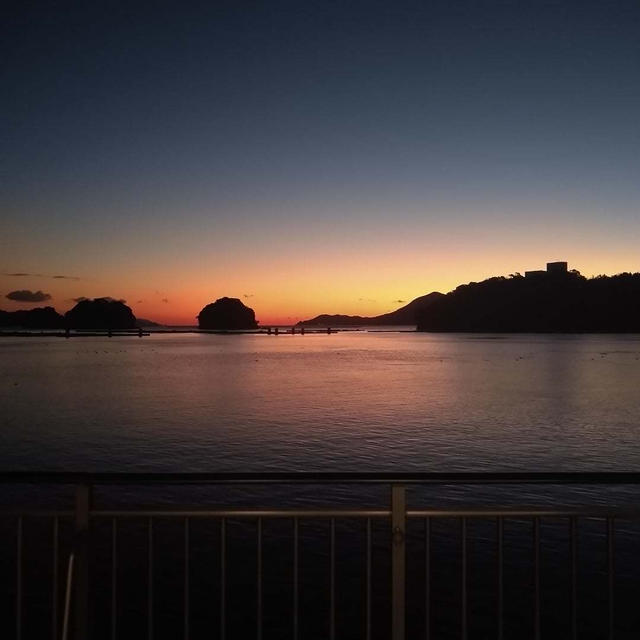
x: 227, y: 314
x: 100, y: 313
x: 403, y: 316
x: 38, y: 318
x: 555, y: 300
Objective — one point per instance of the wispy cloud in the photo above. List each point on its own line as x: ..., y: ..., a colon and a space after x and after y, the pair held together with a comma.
x: 21, y: 274
x: 110, y: 299
x: 25, y: 295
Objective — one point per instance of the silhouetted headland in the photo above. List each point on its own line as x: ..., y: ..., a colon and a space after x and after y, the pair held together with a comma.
x: 403, y: 316
x: 555, y: 300
x: 227, y: 314
x: 145, y: 322
x: 100, y: 313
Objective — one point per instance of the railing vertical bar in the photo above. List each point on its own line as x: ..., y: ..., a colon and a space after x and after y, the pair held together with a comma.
x: 463, y: 542
x: 259, y: 581
x: 611, y: 572
x: 427, y: 578
x: 368, y: 583
x: 223, y: 578
x: 54, y: 590
x: 500, y: 568
x: 536, y: 577
x: 332, y: 605
x: 19, y: 578
x: 67, y: 597
x: 150, y: 567
x: 295, y: 578
x: 186, y: 578
x: 81, y: 569
x: 398, y: 560
x: 573, y: 565
x: 114, y: 577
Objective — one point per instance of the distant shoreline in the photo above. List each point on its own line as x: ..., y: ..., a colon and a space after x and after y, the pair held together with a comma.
x: 281, y: 330
x: 287, y: 330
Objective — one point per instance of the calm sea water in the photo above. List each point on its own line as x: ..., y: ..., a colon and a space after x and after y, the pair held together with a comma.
x: 347, y: 401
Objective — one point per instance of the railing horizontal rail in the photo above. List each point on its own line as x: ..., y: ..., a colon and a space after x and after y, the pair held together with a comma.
x: 630, y: 513
x: 444, y: 512
x: 333, y: 478
x: 35, y: 512
x: 247, y: 513
x: 588, y: 511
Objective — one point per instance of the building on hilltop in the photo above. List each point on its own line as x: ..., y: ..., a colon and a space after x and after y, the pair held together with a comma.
x: 556, y: 267
x: 553, y: 268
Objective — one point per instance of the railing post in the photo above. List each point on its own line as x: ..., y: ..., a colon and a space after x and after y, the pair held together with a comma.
x: 81, y: 578
x: 398, y: 559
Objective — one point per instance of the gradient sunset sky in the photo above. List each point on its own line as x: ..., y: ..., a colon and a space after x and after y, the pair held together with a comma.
x: 313, y: 157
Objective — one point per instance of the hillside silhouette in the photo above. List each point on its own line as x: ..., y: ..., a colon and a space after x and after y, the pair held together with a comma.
x: 403, y: 316
x: 566, y: 302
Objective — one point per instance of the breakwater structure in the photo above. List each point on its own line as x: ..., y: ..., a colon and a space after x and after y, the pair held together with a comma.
x: 271, y: 331
x: 67, y: 333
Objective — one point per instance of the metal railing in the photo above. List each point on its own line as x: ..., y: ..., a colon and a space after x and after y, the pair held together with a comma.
x: 397, y: 514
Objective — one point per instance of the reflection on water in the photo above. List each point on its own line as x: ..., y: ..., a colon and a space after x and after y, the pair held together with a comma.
x: 349, y: 401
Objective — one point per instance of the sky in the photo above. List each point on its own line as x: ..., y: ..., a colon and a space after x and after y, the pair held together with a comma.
x: 312, y: 157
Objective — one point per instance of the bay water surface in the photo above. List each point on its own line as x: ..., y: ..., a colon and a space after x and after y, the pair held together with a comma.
x: 348, y: 401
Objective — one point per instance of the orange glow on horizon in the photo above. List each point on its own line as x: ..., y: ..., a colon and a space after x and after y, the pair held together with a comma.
x: 285, y: 294
x: 347, y: 268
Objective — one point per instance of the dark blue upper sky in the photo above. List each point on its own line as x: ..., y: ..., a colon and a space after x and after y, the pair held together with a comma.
x: 438, y: 116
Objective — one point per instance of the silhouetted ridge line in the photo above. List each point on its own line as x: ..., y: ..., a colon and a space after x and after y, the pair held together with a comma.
x: 402, y: 316
x: 562, y: 302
